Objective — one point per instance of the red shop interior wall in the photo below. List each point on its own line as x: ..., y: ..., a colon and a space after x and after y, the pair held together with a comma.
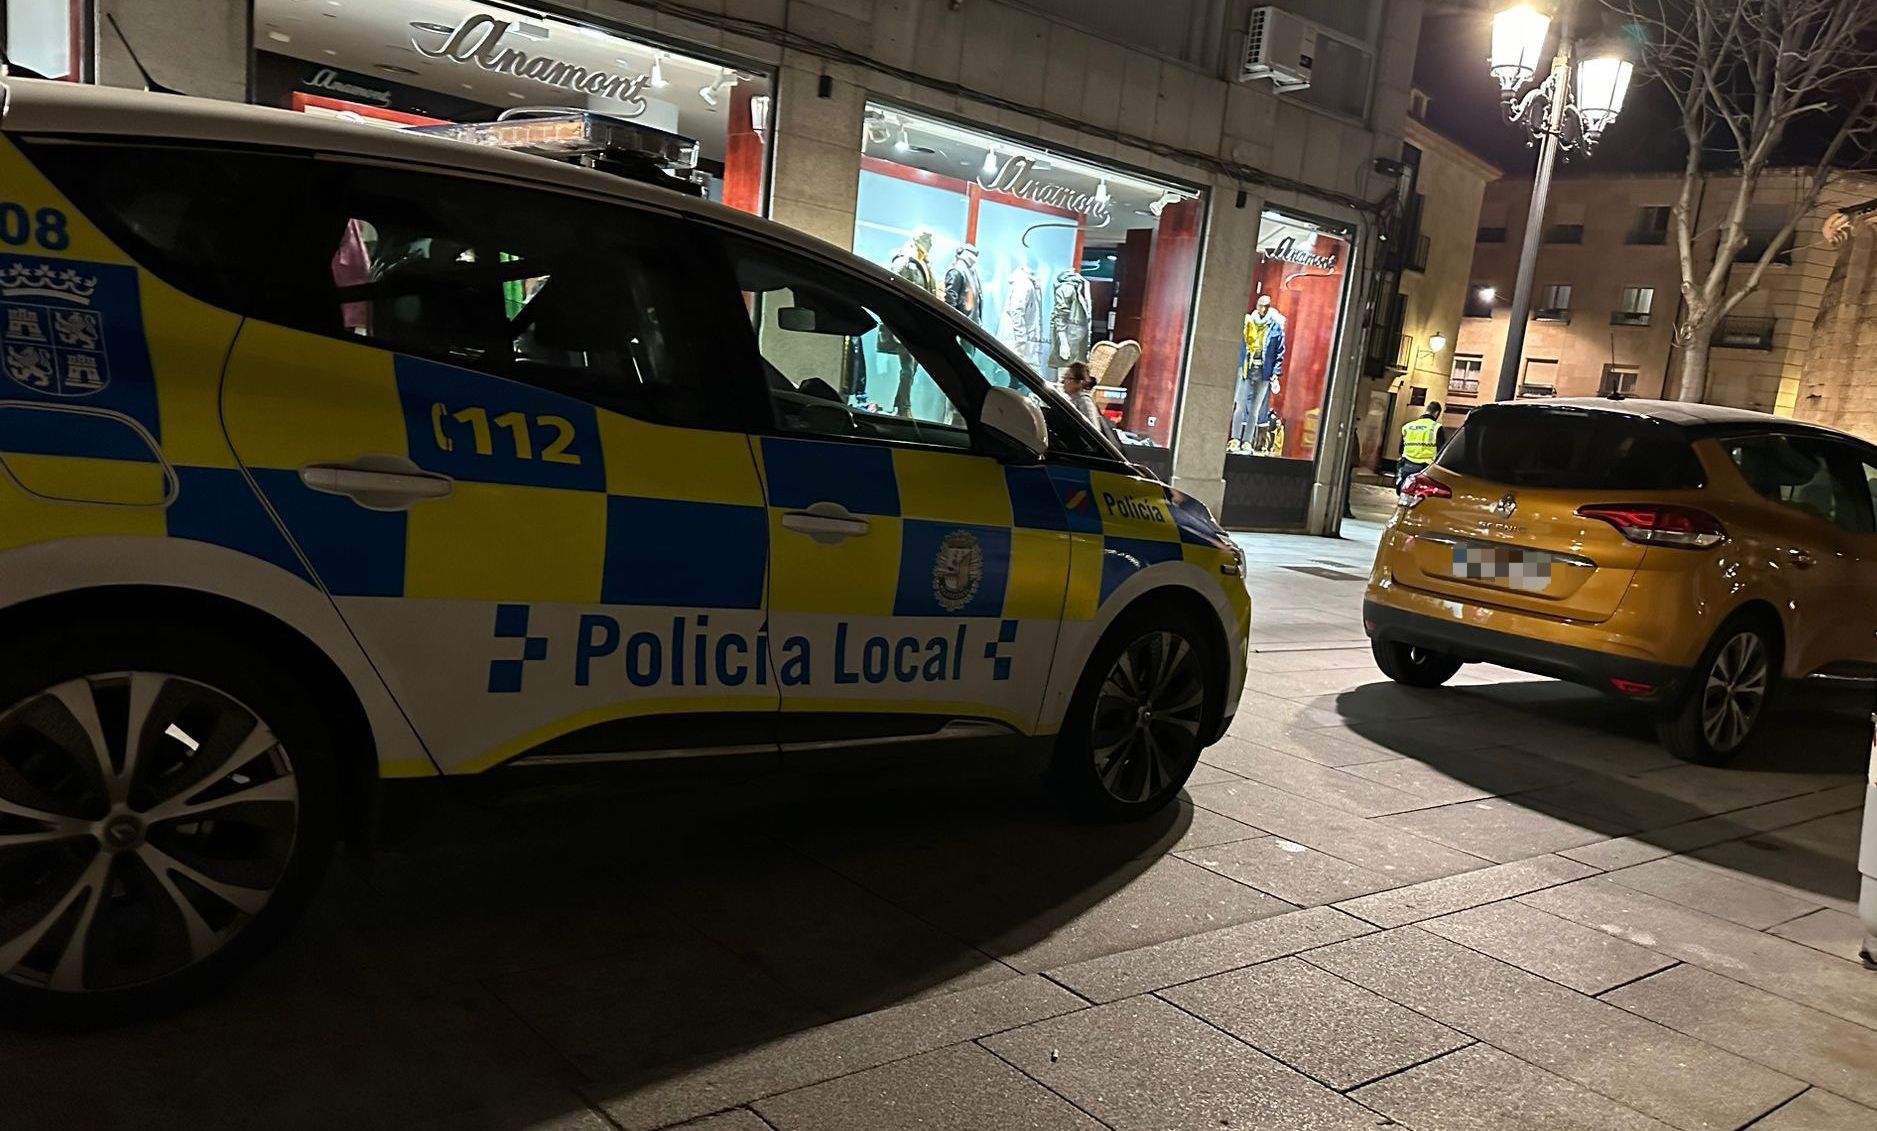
x: 1308, y: 298
x: 743, y: 157
x: 1166, y: 307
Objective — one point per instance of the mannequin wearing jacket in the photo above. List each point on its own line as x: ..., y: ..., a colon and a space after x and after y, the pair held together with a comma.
x: 964, y: 290
x: 1022, y: 325
x: 1260, y: 372
x: 912, y: 263
x: 1068, y: 320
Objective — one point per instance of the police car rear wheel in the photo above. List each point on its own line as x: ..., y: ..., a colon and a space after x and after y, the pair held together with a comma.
x: 163, y: 811
x: 1135, y: 725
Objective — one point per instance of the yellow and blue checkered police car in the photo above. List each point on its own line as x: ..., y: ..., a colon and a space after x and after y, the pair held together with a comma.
x: 335, y: 455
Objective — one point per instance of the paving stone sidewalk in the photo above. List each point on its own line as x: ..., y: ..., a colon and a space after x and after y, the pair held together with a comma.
x: 1494, y: 905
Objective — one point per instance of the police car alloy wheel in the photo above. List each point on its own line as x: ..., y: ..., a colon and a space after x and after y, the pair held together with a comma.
x: 1137, y: 722
x: 155, y: 830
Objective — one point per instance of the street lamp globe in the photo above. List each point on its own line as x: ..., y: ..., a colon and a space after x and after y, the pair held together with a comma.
x: 1437, y: 343
x: 1518, y: 39
x: 1602, y: 84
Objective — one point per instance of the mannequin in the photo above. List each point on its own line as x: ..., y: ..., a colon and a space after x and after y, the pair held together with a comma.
x: 1260, y: 369
x: 964, y: 290
x: 1068, y: 320
x: 912, y: 263
x: 1022, y: 325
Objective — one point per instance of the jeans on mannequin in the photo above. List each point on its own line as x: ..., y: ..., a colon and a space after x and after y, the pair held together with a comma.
x: 1253, y: 394
x: 902, y: 400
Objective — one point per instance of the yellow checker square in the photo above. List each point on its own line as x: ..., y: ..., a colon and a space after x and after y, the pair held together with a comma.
x: 651, y: 461
x: 858, y: 577
x: 295, y: 398
x: 83, y: 479
x: 495, y: 542
x: 188, y: 342
x: 951, y: 487
x: 1133, y: 508
x: 1084, y: 596
x: 25, y: 520
x: 1039, y: 566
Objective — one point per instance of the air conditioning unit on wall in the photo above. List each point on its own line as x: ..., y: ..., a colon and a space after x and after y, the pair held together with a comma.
x: 1281, y: 47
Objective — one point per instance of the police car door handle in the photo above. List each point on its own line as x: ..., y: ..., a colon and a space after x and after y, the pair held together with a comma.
x: 377, y: 482
x: 826, y: 523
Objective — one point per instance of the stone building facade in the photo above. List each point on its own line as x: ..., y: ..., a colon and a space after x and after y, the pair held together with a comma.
x: 1135, y: 94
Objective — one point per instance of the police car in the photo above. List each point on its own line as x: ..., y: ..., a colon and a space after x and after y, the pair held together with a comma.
x: 336, y: 456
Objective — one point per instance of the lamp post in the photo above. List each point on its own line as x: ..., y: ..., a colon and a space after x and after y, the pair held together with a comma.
x: 1564, y: 111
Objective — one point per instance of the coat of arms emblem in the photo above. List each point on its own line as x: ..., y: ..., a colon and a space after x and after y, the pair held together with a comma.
x: 957, y: 570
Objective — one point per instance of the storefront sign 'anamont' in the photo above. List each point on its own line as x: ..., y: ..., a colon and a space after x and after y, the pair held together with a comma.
x: 478, y: 40
x: 1287, y: 251
x: 1015, y: 179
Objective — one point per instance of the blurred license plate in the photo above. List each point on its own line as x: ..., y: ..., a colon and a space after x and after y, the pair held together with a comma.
x: 1521, y: 569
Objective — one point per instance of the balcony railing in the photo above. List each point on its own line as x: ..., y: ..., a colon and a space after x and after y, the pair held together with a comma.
x: 1552, y: 314
x: 1651, y: 237
x: 1741, y: 332
x: 1629, y: 318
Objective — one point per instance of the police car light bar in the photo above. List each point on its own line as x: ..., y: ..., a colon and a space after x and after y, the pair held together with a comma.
x: 600, y: 141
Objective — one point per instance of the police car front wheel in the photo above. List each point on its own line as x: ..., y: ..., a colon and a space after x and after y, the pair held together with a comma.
x: 164, y: 809
x: 1139, y: 719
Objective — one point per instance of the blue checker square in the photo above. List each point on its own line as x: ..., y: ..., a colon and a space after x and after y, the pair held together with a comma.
x: 673, y: 552
x: 949, y: 569
x: 860, y: 477
x: 216, y: 505
x: 1122, y: 558
x: 1033, y: 501
x: 505, y: 676
x: 356, y: 552
x: 1079, y: 507
x: 511, y: 620
x: 1000, y: 664
x: 534, y: 648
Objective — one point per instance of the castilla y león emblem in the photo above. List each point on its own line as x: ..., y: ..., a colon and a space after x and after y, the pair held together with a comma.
x: 957, y: 570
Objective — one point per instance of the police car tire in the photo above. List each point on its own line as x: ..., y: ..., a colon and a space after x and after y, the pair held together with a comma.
x: 40, y: 660
x: 1412, y: 665
x: 1073, y: 774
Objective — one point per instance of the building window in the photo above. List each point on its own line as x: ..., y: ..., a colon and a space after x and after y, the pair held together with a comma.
x: 1492, y: 222
x: 1554, y: 303
x: 1060, y: 258
x: 1763, y: 224
x: 1465, y: 379
x: 1650, y: 225
x: 1479, y: 299
x: 1541, y: 379
x: 1495, y: 234
x: 1618, y: 380
x: 1564, y: 233
x: 1633, y: 308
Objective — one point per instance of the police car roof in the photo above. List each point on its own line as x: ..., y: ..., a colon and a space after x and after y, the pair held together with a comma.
x: 38, y: 106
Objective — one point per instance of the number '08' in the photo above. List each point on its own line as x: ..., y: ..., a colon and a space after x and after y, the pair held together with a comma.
x: 46, y: 227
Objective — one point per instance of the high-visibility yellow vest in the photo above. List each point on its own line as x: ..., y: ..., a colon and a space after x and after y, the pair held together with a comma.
x: 1418, y: 440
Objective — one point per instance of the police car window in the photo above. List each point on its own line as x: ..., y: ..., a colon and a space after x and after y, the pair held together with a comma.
x: 1067, y: 435
x: 845, y: 359
x: 575, y: 296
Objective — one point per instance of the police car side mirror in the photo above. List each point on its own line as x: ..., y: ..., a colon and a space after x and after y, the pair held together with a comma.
x: 1015, y: 419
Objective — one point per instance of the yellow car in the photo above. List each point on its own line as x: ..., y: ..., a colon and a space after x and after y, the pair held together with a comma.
x: 1687, y: 556
x: 332, y: 455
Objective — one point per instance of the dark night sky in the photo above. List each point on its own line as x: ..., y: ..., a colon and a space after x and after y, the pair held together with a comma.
x: 1451, y: 68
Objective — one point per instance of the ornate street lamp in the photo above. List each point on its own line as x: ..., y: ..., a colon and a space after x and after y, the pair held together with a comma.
x: 1568, y: 109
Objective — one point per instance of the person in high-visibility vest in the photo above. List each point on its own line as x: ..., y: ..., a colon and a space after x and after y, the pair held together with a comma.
x: 1420, y: 443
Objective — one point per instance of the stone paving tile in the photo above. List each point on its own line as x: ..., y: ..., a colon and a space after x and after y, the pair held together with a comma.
x: 1571, y: 744
x: 1411, y: 904
x: 1673, y: 796
x: 1307, y: 660
x: 829, y: 1051
x: 1391, y: 852
x: 1715, y: 891
x: 1205, y: 828
x: 736, y: 1119
x: 1205, y: 773
x: 1324, y: 745
x: 1802, y: 1042
x: 1327, y: 1028
x: 1501, y: 829
x: 1568, y: 953
x: 1745, y: 955
x: 1835, y: 932
x: 1819, y: 1110
x: 1480, y: 1088
x: 1379, y: 702
x: 1259, y: 713
x: 1818, y: 857
x: 1293, y: 872
x: 1212, y: 952
x: 1634, y: 1061
x: 1624, y: 851
x: 1143, y: 1064
x: 1323, y: 784
x: 957, y: 1087
x: 1466, y: 775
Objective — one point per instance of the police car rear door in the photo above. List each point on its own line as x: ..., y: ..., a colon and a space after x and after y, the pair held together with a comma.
x: 496, y: 422
x: 908, y: 598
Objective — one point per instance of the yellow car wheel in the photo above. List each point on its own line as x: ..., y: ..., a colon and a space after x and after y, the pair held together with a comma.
x: 1726, y: 696
x: 1412, y: 664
